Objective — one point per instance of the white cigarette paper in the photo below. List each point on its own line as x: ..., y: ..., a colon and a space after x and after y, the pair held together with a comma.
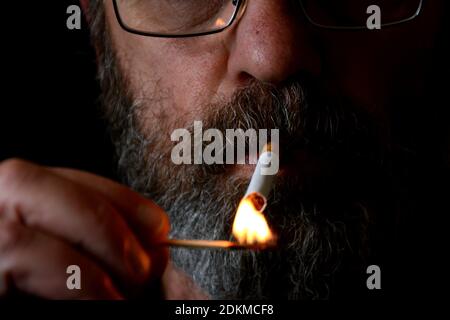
x: 265, y: 171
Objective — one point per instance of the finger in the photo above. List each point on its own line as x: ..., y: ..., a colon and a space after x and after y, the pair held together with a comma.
x: 49, y: 203
x: 147, y: 219
x: 36, y: 264
x: 143, y: 215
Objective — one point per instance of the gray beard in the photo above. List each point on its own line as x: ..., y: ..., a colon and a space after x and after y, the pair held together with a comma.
x: 311, y: 251
x: 305, y: 265
x: 318, y: 239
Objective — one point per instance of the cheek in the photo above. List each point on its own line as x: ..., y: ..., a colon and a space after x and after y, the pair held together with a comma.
x: 357, y: 69
x: 194, y: 68
x: 373, y: 69
x: 181, y: 74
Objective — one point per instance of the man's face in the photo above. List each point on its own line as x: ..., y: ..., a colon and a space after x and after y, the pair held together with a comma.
x: 334, y: 179
x: 271, y: 44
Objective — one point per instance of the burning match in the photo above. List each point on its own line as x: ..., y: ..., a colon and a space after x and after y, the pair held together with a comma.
x: 250, y: 227
x: 214, y: 244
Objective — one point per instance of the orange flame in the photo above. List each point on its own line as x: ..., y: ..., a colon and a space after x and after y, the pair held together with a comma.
x: 250, y: 226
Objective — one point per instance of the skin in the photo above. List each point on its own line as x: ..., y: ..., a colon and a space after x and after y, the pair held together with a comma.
x: 52, y: 218
x: 270, y: 44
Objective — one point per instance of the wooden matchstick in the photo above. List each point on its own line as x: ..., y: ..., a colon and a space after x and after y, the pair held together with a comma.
x: 214, y: 244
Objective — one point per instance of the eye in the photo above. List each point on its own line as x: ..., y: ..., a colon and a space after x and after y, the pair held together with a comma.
x: 175, y: 15
x: 192, y: 13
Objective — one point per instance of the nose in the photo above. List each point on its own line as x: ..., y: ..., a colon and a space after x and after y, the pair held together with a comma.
x: 271, y: 44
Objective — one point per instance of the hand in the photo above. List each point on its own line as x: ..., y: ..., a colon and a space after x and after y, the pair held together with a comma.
x: 52, y: 218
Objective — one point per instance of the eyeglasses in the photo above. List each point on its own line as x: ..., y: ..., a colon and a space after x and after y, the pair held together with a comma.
x: 191, y: 18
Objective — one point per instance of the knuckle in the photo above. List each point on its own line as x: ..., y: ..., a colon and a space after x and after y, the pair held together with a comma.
x: 11, y: 235
x: 13, y: 171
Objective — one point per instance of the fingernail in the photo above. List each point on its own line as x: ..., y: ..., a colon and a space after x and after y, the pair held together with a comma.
x: 138, y: 260
x: 152, y: 217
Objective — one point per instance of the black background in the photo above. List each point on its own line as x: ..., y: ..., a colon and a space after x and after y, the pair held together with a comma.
x: 49, y: 111
x: 49, y: 115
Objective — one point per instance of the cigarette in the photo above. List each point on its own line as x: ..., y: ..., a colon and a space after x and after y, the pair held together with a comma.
x: 257, y: 192
x: 213, y: 244
x: 261, y: 182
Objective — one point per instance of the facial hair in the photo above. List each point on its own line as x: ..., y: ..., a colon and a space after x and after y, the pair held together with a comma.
x: 323, y: 229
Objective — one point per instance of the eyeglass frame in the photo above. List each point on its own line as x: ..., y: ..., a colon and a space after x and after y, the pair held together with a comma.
x: 239, y: 12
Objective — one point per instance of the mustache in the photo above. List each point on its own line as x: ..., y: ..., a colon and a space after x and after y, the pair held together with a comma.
x: 306, y: 116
